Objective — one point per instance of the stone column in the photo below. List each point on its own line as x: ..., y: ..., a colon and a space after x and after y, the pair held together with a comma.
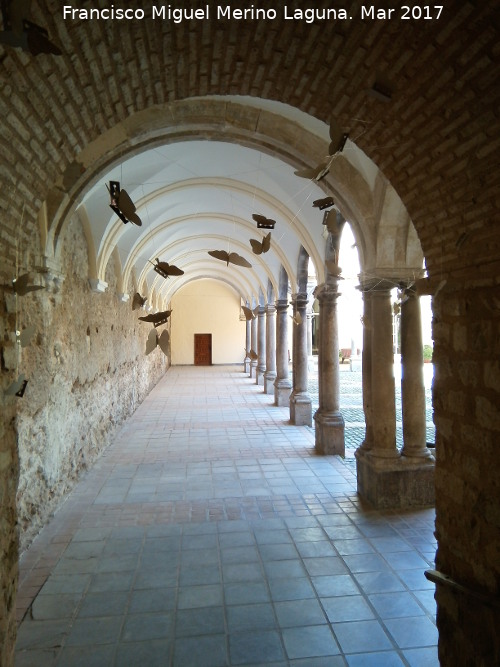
x: 412, y: 379
x: 329, y: 422
x: 253, y: 339
x: 282, y: 384
x: 248, y: 344
x: 270, y: 374
x: 366, y: 370
x: 300, y: 401
x: 385, y: 478
x: 261, y: 345
x: 382, y: 376
x: 309, y: 331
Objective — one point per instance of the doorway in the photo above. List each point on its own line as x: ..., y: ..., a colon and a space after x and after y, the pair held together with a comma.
x: 203, y: 349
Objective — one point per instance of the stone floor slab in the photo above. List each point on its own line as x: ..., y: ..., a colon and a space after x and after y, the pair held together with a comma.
x: 210, y: 533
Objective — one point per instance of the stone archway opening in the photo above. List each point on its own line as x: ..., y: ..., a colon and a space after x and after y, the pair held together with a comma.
x: 168, y: 160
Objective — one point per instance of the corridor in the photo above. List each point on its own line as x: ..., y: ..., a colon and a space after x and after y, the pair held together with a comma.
x: 210, y: 534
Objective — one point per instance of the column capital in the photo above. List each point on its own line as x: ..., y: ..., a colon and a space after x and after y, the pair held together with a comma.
x: 300, y: 299
x: 270, y: 309
x: 409, y: 291
x: 326, y: 291
x: 376, y: 285
x: 282, y: 305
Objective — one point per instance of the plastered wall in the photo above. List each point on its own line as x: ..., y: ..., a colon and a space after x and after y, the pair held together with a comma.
x: 207, y: 306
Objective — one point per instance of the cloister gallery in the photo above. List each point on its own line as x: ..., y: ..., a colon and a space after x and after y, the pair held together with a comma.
x: 205, y: 135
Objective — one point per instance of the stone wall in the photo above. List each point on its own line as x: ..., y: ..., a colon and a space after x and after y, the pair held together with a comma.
x: 87, y: 372
x: 465, y: 394
x: 9, y: 467
x: 436, y: 141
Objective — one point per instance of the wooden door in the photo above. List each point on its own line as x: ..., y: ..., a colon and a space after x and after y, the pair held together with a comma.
x: 203, y: 349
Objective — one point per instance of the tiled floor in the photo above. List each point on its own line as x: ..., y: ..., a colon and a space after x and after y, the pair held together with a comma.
x: 210, y: 534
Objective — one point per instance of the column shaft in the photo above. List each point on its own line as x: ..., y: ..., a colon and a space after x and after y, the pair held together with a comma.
x: 366, y: 370
x: 270, y: 374
x: 300, y: 401
x: 282, y: 384
x: 248, y: 345
x: 261, y: 346
x: 382, y: 376
x: 329, y: 432
x: 253, y: 362
x: 412, y: 379
x: 309, y: 332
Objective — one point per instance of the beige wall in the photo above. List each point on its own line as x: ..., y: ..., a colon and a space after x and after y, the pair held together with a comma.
x: 207, y: 306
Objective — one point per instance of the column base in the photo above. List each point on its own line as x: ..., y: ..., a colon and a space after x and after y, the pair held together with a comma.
x: 269, y: 378
x: 282, y: 390
x: 418, y: 456
x: 300, y: 409
x: 259, y: 379
x: 253, y: 369
x: 394, y: 483
x: 329, y: 433
x: 246, y: 366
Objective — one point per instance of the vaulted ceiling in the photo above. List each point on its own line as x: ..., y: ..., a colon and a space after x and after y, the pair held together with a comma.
x: 197, y: 196
x: 167, y: 108
x: 196, y: 191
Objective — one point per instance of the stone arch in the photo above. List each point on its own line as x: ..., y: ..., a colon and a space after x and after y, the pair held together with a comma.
x: 270, y: 292
x: 283, y: 286
x: 302, y: 271
x: 352, y: 186
x: 432, y: 138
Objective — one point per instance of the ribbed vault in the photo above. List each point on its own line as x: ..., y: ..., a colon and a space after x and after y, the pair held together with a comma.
x: 123, y: 90
x: 196, y: 177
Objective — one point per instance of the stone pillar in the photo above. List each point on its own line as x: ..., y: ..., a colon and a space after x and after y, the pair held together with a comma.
x: 385, y: 478
x: 282, y: 384
x: 261, y: 346
x: 248, y: 345
x: 382, y: 376
x: 300, y: 401
x: 366, y: 370
x: 270, y: 374
x: 329, y: 422
x: 309, y: 331
x: 412, y: 379
x: 253, y: 339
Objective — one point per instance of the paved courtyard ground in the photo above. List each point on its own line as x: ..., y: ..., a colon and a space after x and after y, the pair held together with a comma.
x: 210, y: 534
